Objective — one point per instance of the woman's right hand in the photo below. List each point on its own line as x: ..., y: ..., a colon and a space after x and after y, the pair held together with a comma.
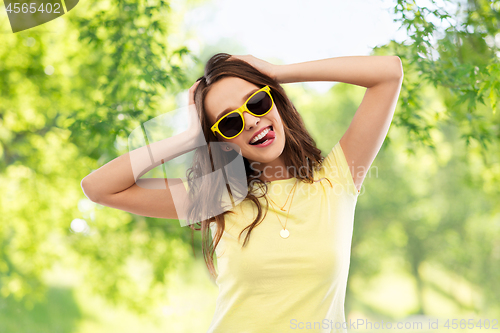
x: 194, y: 127
x: 191, y: 92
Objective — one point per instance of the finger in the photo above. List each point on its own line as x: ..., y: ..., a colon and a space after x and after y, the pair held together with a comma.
x: 195, y: 85
x: 191, y: 92
x: 240, y: 57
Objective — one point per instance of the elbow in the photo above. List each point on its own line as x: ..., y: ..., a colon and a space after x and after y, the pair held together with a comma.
x: 398, y: 67
x: 86, y: 190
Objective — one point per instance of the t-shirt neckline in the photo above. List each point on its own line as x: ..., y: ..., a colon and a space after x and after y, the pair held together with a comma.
x: 281, y: 180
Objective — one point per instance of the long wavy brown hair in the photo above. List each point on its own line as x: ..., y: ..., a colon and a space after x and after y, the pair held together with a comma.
x: 300, y: 153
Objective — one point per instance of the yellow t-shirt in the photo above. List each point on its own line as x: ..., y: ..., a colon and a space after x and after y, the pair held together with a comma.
x: 276, y: 284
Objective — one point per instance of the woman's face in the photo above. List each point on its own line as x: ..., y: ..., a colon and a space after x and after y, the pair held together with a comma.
x: 230, y: 93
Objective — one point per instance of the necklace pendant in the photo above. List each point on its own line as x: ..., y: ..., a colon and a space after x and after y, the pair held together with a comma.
x: 284, y: 233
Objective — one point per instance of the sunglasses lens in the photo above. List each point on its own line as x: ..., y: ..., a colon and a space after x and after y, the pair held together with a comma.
x: 260, y: 103
x: 231, y: 125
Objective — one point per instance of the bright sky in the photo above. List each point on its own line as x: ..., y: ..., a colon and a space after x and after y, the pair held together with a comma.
x: 297, y: 30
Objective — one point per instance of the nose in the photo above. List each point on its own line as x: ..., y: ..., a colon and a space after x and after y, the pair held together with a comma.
x: 251, y: 121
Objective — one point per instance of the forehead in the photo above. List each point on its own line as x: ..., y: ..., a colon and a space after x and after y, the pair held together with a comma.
x: 229, y: 92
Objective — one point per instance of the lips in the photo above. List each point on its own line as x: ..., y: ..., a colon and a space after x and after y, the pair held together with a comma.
x: 256, y: 134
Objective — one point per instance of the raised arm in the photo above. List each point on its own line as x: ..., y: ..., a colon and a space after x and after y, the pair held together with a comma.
x: 124, y: 171
x: 382, y: 76
x: 117, y: 184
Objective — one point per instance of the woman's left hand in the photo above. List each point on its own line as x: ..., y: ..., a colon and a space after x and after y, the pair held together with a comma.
x: 261, y: 65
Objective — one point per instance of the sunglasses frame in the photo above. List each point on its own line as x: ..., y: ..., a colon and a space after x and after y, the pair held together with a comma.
x: 240, y: 110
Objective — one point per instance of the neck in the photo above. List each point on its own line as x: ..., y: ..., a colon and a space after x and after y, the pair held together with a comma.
x: 275, y: 170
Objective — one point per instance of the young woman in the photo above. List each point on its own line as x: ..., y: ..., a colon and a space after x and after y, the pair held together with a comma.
x: 283, y: 244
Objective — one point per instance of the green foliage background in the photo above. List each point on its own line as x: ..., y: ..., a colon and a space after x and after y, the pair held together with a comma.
x: 427, y: 217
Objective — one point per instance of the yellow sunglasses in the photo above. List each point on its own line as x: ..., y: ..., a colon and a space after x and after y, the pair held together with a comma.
x: 232, y: 124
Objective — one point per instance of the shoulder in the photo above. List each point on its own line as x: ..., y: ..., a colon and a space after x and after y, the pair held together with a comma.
x: 335, y: 167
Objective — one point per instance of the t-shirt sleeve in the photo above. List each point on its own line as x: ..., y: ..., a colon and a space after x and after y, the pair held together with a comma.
x: 336, y: 168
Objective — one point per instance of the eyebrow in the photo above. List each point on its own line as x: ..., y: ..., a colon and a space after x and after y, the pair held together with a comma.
x: 232, y: 109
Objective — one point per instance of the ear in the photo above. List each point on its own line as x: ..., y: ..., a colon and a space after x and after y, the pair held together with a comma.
x: 227, y: 148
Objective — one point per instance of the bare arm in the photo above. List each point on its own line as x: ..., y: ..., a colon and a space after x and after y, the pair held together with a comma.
x: 117, y: 184
x: 124, y: 171
x: 382, y: 76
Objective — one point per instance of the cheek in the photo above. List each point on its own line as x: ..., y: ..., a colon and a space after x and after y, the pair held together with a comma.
x: 238, y: 141
x: 281, y: 129
x: 278, y: 122
x: 276, y: 117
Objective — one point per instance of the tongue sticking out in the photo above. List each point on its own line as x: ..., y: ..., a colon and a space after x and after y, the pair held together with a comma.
x: 269, y: 135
